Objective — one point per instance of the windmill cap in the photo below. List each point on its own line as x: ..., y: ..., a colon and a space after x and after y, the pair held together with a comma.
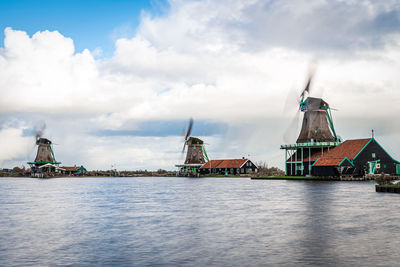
x: 314, y: 103
x: 43, y: 141
x: 195, y: 141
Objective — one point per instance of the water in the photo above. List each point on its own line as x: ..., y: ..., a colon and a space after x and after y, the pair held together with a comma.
x: 196, y: 222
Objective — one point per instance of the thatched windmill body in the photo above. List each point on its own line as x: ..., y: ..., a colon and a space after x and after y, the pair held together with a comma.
x: 316, y: 136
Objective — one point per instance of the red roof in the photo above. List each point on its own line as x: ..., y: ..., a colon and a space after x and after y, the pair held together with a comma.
x: 211, y: 163
x: 224, y: 163
x: 75, y: 168
x: 348, y: 149
x: 328, y: 161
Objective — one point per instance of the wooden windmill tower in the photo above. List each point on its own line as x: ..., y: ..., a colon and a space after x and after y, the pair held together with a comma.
x: 317, y: 122
x: 316, y: 136
x: 196, y: 154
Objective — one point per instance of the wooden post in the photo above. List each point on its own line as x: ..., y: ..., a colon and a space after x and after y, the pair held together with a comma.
x: 286, y: 151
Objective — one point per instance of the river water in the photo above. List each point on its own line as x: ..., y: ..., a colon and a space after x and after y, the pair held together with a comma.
x: 196, y: 222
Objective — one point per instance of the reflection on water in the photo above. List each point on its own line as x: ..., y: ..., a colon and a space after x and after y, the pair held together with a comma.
x: 196, y: 222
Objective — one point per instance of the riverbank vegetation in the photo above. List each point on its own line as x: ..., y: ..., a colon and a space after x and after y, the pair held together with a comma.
x: 265, y: 171
x: 386, y: 180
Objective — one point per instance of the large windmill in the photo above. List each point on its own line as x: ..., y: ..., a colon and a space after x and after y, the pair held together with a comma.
x: 196, y: 154
x: 317, y: 134
x: 317, y: 120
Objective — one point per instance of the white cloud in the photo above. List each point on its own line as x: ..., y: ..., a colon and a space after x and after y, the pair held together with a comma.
x: 14, y: 145
x: 232, y: 62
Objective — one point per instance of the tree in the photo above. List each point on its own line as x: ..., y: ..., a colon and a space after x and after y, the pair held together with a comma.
x: 263, y: 170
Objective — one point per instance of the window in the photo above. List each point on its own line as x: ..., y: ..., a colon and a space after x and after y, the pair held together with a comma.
x: 373, y: 155
x: 384, y: 166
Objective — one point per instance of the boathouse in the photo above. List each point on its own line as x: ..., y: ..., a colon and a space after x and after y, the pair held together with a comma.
x: 229, y: 166
x: 355, y: 157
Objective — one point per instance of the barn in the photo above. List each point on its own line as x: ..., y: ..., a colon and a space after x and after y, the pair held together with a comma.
x: 229, y: 166
x: 355, y: 157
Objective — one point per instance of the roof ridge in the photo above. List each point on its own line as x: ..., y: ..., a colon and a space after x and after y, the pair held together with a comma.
x: 358, y: 139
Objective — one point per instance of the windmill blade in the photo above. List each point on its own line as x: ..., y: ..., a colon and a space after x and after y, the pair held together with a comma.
x: 189, y: 130
x: 30, y: 152
x: 307, y: 88
x: 39, y: 128
x: 291, y: 102
x: 292, y: 130
x: 184, y: 146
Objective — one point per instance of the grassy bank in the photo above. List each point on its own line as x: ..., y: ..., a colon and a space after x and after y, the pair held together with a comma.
x: 222, y: 175
x: 293, y: 178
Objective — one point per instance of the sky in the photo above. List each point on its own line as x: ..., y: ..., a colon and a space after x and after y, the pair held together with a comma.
x: 116, y: 81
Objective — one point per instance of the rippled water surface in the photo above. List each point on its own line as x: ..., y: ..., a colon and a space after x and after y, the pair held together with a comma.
x: 196, y: 222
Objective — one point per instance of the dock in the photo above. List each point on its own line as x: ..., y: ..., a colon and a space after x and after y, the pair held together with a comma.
x: 387, y: 188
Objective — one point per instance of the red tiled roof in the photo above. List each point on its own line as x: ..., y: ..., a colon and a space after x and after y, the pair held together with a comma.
x: 348, y: 149
x: 212, y: 163
x: 70, y: 168
x: 328, y: 161
x: 224, y: 163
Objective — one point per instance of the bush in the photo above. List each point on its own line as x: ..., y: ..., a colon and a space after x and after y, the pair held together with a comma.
x: 384, y: 180
x: 263, y: 170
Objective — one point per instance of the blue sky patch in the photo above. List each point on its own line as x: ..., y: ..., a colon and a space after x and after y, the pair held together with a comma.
x: 90, y: 23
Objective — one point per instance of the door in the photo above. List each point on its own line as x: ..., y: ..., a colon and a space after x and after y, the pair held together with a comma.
x: 372, y: 167
x: 397, y: 169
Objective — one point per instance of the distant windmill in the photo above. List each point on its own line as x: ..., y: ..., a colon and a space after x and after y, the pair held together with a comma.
x: 196, y: 154
x: 45, y: 152
x: 45, y: 160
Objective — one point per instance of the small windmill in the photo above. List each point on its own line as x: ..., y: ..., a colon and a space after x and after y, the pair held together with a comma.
x: 196, y: 154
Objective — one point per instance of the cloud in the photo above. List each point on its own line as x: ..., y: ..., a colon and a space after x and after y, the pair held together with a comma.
x: 313, y: 26
x: 165, y: 128
x: 42, y: 73
x: 14, y: 146
x: 229, y: 64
